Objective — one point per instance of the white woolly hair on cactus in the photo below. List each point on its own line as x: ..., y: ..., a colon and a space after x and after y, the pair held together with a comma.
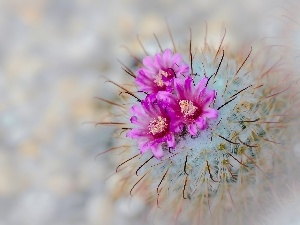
x: 204, y: 131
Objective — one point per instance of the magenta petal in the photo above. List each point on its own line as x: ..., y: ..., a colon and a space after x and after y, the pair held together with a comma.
x: 136, y: 109
x: 169, y: 87
x: 176, y: 59
x: 134, y: 120
x: 167, y: 99
x: 183, y: 69
x: 210, y: 96
x: 192, y: 129
x: 151, y: 98
x: 148, y: 62
x: 135, y: 133
x: 176, y: 124
x: 143, y: 146
x: 188, y: 86
x: 179, y: 128
x: 141, y: 72
x: 201, y: 123
x: 165, y: 96
x: 129, y: 134
x: 139, y: 122
x: 144, y: 76
x: 143, y: 81
x: 179, y: 86
x: 155, y: 67
x: 157, y: 151
x: 201, y: 85
x: 159, y: 60
x: 206, y: 97
x: 210, y: 113
x: 167, y: 56
x: 171, y: 141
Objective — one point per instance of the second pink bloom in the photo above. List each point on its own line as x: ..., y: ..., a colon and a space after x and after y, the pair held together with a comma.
x: 190, y: 105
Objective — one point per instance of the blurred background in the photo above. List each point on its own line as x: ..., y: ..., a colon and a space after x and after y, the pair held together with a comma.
x: 52, y: 56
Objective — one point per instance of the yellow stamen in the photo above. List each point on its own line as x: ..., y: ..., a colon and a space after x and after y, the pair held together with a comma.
x: 187, y: 108
x: 163, y: 73
x: 158, y: 78
x: 159, y: 82
x: 157, y: 125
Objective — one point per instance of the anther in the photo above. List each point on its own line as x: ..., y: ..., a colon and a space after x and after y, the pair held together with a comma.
x: 187, y: 108
x: 158, y: 125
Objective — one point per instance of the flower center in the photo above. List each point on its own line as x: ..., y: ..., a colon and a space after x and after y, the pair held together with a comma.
x: 164, y: 73
x: 159, y: 82
x: 162, y: 76
x: 187, y: 108
x: 158, y: 126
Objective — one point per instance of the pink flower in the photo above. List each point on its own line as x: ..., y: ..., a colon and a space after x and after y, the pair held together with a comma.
x: 189, y: 105
x: 153, y: 127
x: 160, y: 71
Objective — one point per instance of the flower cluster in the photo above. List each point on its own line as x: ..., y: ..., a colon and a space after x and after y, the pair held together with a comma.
x: 173, y: 103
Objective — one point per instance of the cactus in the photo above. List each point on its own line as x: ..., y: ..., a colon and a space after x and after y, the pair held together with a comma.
x: 204, y: 131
